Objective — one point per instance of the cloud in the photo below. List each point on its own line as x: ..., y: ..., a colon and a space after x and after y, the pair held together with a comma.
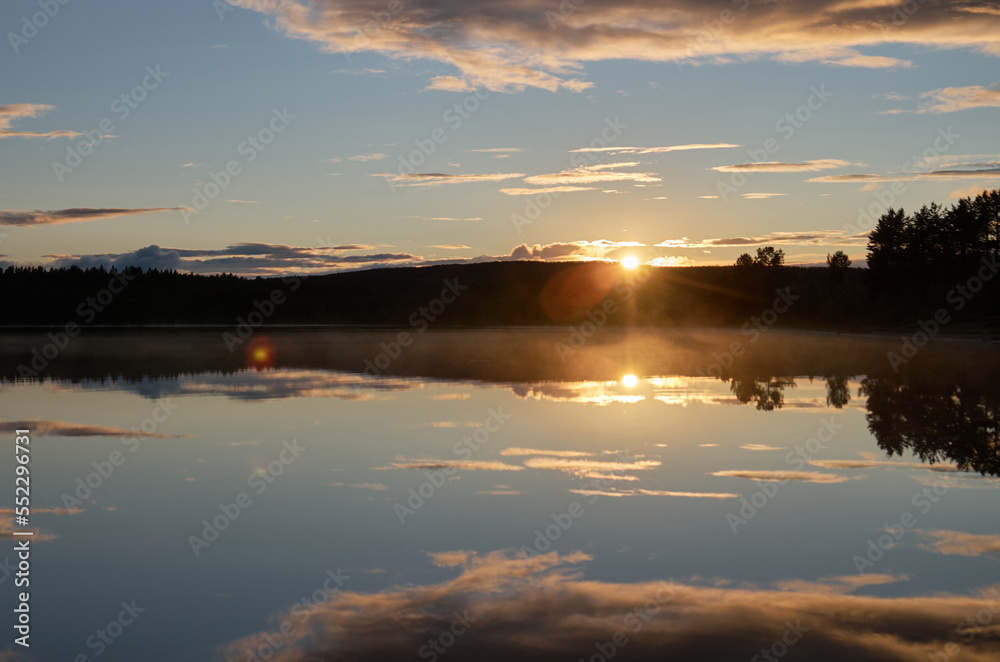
x: 76, y: 215
x: 450, y: 247
x: 595, y: 469
x: 803, y: 238
x: 378, y: 487
x: 258, y: 259
x: 937, y: 175
x: 11, y: 112
x: 546, y: 189
x: 873, y: 464
x: 512, y: 44
x: 449, y: 84
x: 535, y: 451
x: 761, y: 196
x: 760, y: 447
x: 494, y: 150
x: 358, y: 72
x: 67, y: 429
x: 468, y: 465
x: 374, y: 156
x: 437, y: 178
x: 767, y: 476
x: 870, y: 62
x: 245, y: 258
x: 655, y: 150
x: 7, y: 527
x: 968, y: 192
x: 954, y: 99
x: 776, y: 166
x: 450, y: 218
x: 608, y: 172
x: 543, y: 607
x: 666, y: 493
x: 961, y: 544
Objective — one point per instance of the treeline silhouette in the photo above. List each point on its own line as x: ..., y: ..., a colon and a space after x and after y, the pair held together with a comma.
x: 915, y: 265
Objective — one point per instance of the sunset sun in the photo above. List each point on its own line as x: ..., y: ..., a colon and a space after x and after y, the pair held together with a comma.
x: 630, y: 262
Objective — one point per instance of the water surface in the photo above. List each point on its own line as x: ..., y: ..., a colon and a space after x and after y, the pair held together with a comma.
x: 491, y: 495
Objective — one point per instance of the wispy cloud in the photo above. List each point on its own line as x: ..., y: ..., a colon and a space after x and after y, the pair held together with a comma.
x: 655, y: 150
x: 76, y: 215
x: 374, y: 156
x: 535, y: 451
x: 777, y: 166
x: 438, y: 178
x: 990, y: 173
x: 761, y: 196
x: 768, y: 476
x: 11, y: 112
x: 958, y: 543
x: 67, y: 429
x: 803, y: 238
x: 608, y: 172
x: 469, y: 465
x: 546, y: 189
x: 954, y: 99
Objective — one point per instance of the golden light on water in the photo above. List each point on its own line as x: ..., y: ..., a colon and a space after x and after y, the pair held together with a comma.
x: 630, y: 262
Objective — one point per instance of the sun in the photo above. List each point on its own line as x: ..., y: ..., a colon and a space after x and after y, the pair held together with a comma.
x: 630, y: 262
x: 630, y: 381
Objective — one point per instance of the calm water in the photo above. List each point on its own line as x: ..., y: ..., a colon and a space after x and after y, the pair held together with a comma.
x: 490, y: 495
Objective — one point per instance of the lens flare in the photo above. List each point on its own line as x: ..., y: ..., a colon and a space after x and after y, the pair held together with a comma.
x: 260, y: 353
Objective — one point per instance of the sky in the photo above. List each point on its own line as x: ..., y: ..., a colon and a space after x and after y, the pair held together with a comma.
x: 264, y: 137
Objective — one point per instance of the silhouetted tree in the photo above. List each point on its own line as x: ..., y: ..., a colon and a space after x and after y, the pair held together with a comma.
x: 744, y: 260
x: 769, y: 256
x: 838, y: 260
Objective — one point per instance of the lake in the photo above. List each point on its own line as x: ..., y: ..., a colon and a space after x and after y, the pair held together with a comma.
x: 515, y: 494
